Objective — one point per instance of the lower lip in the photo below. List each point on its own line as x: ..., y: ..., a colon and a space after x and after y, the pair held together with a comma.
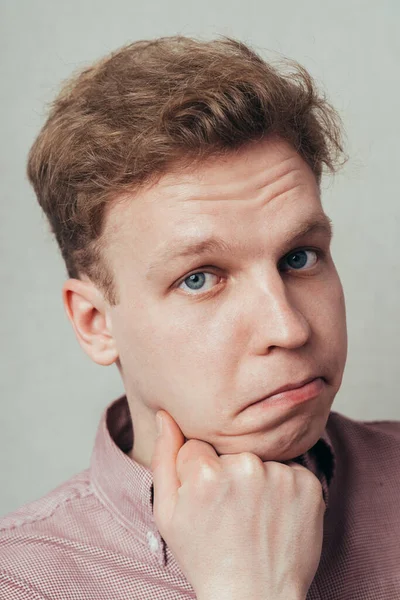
x: 297, y: 396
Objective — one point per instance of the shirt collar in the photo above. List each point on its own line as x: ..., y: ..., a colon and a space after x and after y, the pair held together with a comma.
x: 125, y: 487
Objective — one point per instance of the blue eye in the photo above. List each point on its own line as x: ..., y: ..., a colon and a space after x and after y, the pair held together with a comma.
x: 196, y: 281
x: 299, y: 259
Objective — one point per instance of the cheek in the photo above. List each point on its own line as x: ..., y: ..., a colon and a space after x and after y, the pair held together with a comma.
x: 331, y: 328
x: 337, y: 309
x: 341, y: 324
x: 175, y: 344
x: 328, y: 306
x: 195, y: 344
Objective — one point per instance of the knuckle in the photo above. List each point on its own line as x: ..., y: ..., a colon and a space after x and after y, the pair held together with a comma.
x: 206, y: 471
x: 279, y: 471
x: 249, y: 463
x: 313, y: 483
x: 191, y: 444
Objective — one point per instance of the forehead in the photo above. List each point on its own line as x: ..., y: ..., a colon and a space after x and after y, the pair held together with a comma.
x: 223, y: 195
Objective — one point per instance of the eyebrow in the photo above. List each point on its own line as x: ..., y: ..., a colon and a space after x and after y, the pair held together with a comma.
x: 319, y: 224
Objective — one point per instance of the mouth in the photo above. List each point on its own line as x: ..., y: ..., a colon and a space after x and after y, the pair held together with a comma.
x: 296, y: 390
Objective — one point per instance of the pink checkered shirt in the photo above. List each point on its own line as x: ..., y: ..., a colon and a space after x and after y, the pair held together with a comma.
x: 94, y: 537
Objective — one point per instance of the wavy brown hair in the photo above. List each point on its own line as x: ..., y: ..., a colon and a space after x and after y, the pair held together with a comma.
x: 130, y: 117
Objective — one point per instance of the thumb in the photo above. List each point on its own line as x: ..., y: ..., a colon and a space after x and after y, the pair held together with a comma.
x: 163, y: 465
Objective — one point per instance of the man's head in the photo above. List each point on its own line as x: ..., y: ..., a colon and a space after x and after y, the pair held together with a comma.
x: 164, y: 145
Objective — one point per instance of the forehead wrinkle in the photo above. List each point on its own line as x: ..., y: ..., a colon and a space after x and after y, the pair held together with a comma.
x: 283, y: 179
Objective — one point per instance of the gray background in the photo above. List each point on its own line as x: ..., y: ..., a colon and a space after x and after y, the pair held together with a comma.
x: 52, y: 395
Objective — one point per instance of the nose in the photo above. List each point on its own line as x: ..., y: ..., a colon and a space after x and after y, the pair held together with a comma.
x: 278, y: 322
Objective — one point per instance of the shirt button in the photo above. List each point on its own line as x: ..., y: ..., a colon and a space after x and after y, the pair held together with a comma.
x: 153, y: 542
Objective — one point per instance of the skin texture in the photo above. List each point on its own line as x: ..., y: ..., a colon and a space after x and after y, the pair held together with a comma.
x: 203, y: 348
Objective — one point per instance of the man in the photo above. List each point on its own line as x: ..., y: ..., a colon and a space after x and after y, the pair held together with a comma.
x: 182, y: 182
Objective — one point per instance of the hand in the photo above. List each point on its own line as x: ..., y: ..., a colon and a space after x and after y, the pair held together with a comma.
x: 237, y: 526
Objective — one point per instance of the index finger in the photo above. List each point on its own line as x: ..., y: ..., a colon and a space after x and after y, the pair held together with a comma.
x: 163, y: 466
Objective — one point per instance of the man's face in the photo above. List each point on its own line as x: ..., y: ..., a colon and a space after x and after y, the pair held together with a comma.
x: 203, y: 335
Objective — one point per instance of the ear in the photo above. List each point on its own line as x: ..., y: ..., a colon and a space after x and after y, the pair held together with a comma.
x: 87, y: 311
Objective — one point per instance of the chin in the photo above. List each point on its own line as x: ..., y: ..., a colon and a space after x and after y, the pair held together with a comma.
x: 279, y: 441
x: 295, y: 439
x: 304, y: 439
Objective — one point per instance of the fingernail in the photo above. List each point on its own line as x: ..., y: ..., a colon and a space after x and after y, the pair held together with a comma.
x: 159, y: 424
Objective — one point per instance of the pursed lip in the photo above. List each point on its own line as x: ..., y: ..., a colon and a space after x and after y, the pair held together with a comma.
x: 289, y: 386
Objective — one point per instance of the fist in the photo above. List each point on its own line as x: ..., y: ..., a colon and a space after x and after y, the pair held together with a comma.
x: 237, y: 526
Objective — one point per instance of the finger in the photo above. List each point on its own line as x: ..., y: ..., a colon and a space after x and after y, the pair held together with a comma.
x: 195, y: 456
x: 163, y: 466
x: 294, y: 465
